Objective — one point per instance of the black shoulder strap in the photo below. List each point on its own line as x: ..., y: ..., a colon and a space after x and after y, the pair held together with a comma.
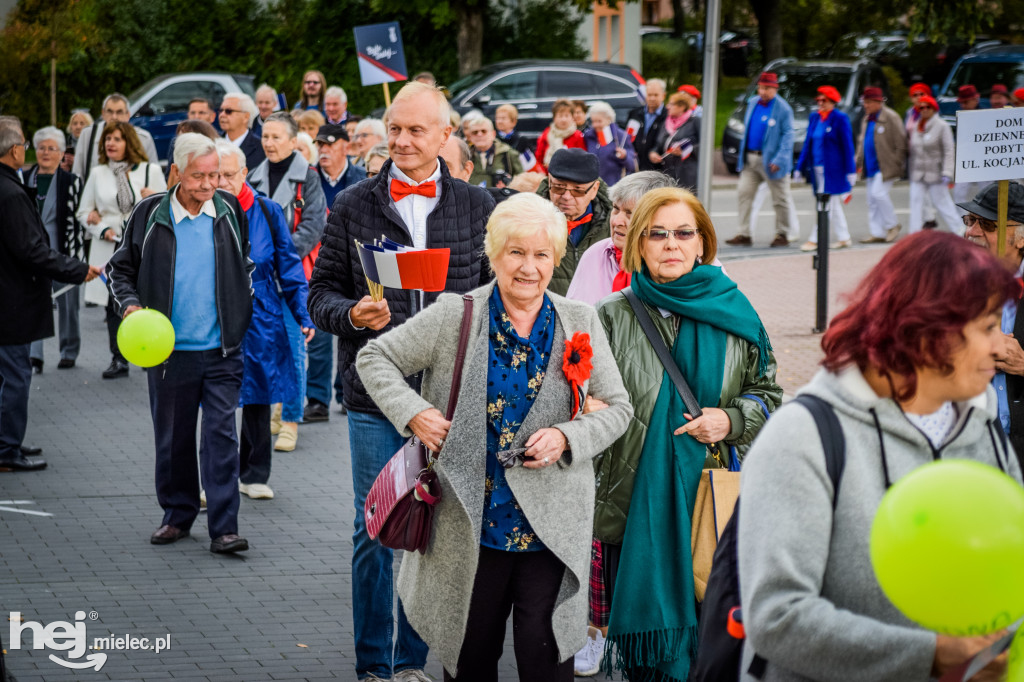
x: 266, y: 213
x: 148, y: 165
x: 647, y: 324
x: 831, y: 432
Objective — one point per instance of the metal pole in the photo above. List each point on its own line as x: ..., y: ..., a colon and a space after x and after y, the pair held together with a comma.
x: 712, y: 29
x: 1003, y: 199
x: 821, y: 265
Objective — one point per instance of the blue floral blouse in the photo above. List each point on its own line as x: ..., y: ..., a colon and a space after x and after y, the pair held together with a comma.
x: 515, y: 371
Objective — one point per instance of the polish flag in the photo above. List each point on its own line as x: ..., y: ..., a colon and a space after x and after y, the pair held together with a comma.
x: 602, y: 137
x: 528, y: 160
x: 632, y: 129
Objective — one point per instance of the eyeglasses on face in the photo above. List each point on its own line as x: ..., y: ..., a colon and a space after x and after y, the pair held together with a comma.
x: 987, y: 225
x: 52, y: 149
x: 228, y: 111
x: 577, y: 192
x: 312, y: 82
x: 660, y: 235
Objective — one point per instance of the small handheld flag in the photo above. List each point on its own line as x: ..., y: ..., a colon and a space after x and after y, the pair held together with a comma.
x: 632, y: 129
x: 389, y: 264
x: 528, y: 160
x: 603, y: 139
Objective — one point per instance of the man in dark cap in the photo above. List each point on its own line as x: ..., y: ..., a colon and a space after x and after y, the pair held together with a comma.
x: 982, y: 214
x: 766, y: 156
x: 575, y: 187
x: 336, y: 173
x: 881, y: 156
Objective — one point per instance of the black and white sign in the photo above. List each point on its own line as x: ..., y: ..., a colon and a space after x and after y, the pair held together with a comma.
x: 989, y: 145
x: 381, y: 55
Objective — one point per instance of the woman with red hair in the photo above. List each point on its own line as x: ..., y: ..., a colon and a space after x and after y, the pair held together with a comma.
x: 907, y: 373
x: 828, y: 161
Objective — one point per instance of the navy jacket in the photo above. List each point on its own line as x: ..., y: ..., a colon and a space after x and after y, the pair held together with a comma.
x: 351, y: 176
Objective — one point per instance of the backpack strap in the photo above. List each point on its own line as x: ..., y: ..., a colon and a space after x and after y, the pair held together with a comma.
x: 832, y: 440
x: 266, y: 213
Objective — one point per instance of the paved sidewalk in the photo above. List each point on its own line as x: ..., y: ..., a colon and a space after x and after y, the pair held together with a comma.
x: 282, y: 610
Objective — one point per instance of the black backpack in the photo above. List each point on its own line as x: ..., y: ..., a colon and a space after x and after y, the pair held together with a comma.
x: 719, y: 654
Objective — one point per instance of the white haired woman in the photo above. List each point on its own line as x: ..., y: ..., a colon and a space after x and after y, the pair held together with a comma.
x: 610, y: 143
x: 369, y: 133
x: 266, y: 104
x: 288, y: 179
x: 513, y: 528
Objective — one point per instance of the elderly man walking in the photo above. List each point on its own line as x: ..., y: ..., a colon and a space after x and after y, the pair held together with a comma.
x: 236, y: 116
x: 881, y: 158
x: 413, y: 201
x: 27, y: 264
x: 651, y: 118
x: 208, y: 298
x: 115, y: 108
x: 766, y: 155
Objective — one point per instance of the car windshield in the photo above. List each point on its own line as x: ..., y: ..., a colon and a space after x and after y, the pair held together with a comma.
x: 983, y: 75
x: 138, y: 92
x: 468, y: 81
x: 799, y: 86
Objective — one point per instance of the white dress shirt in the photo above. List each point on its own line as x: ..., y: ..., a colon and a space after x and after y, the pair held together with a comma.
x: 240, y: 140
x: 414, y: 208
x: 179, y: 212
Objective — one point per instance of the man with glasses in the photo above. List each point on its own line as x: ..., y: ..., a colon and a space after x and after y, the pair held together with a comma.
x: 574, y: 186
x: 369, y: 133
x: 236, y: 115
x: 27, y: 264
x: 115, y: 108
x: 494, y: 162
x: 982, y: 213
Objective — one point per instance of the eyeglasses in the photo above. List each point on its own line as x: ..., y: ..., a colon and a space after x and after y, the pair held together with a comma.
x: 227, y: 111
x: 359, y: 136
x: 660, y: 235
x: 575, y: 191
x: 820, y: 100
x: 312, y: 82
x: 987, y: 225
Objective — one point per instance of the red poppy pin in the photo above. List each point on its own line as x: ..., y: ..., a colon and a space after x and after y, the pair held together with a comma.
x: 577, y: 366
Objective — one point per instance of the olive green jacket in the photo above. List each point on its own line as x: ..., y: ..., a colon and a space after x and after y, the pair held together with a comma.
x: 642, y: 375
x: 600, y: 228
x: 505, y: 159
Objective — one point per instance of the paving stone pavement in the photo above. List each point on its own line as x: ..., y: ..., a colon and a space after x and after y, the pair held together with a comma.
x: 282, y: 610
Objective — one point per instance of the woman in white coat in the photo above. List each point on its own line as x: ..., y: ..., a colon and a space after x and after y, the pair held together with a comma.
x: 932, y: 156
x: 123, y: 177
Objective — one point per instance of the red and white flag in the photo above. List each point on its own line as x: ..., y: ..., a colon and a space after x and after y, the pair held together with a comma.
x: 632, y: 129
x: 528, y: 160
x: 603, y: 139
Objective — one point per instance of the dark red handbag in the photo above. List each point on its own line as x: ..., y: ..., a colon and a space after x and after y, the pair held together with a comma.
x: 400, y: 505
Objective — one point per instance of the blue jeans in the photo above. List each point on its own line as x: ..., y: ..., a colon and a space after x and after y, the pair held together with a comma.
x: 321, y: 364
x: 292, y: 410
x: 372, y: 442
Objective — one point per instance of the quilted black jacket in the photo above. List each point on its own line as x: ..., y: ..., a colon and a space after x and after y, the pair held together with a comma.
x: 364, y: 212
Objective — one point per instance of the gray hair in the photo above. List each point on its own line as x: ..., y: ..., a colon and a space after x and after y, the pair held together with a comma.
x: 521, y: 215
x: 225, y: 148
x: 481, y: 120
x: 285, y: 118
x: 374, y: 126
x: 80, y: 112
x: 629, y: 190
x: 265, y: 88
x: 307, y: 141
x: 413, y: 88
x: 10, y: 134
x: 380, y: 150
x: 335, y: 91
x: 657, y: 81
x: 465, y: 156
x: 245, y: 104
x: 50, y: 133
x: 191, y: 146
x: 119, y: 97
x: 601, y: 108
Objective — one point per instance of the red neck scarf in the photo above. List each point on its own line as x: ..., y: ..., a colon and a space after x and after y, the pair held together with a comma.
x: 246, y: 197
x: 622, y: 278
x: 573, y: 224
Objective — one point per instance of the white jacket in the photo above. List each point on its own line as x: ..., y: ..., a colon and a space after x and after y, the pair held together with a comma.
x: 932, y: 152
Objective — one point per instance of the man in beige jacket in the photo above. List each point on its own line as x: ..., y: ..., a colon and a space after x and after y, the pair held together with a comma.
x: 881, y: 156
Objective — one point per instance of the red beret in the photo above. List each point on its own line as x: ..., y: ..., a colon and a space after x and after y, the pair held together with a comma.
x: 928, y: 101
x: 999, y: 89
x: 920, y: 88
x: 830, y: 93
x: 1019, y: 94
x: 768, y: 78
x: 690, y: 90
x: 874, y: 93
x: 966, y: 92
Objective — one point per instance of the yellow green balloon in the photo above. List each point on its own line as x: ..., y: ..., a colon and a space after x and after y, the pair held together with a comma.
x: 1015, y: 664
x: 947, y: 546
x: 146, y: 338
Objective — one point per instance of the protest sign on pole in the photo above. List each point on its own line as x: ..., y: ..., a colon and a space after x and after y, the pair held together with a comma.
x: 990, y: 148
x: 380, y: 55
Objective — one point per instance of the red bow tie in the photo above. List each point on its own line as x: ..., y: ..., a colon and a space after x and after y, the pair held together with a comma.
x: 400, y: 190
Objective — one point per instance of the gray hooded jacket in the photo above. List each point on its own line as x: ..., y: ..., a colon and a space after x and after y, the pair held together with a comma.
x: 811, y: 604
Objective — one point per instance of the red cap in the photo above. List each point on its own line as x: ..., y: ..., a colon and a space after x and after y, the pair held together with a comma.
x: 1019, y: 94
x: 874, y: 93
x: 768, y: 78
x: 920, y: 88
x: 999, y: 89
x: 830, y: 93
x: 929, y: 101
x: 966, y: 92
x: 690, y: 90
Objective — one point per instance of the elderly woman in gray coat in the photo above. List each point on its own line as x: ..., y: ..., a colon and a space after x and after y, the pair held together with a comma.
x: 515, y: 519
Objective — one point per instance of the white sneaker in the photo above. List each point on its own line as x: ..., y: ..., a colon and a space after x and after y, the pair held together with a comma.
x: 588, y: 659
x: 411, y: 675
x: 256, y: 491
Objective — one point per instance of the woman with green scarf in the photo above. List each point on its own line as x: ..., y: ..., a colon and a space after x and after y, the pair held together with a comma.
x: 647, y: 481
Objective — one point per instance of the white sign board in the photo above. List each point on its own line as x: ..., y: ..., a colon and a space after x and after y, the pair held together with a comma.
x: 989, y: 145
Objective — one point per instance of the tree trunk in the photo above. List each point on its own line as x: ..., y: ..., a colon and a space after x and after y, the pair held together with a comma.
x: 470, y: 38
x: 769, y: 26
x: 678, y: 18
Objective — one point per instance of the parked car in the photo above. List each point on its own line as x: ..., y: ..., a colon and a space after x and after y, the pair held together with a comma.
x: 738, y: 50
x: 798, y: 84
x: 533, y: 85
x: 982, y: 67
x: 161, y: 103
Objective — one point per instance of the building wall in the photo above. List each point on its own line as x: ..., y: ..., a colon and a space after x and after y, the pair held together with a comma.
x: 613, y: 35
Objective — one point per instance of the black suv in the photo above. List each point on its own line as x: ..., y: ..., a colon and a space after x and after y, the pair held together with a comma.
x: 533, y: 85
x: 798, y: 84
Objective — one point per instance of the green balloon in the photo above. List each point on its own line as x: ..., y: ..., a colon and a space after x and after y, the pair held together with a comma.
x: 947, y: 546
x: 1015, y: 662
x: 146, y: 338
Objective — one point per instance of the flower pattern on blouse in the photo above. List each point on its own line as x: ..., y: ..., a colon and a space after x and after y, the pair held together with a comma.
x: 515, y: 372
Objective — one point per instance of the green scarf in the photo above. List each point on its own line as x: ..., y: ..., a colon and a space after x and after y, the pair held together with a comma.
x: 653, y: 622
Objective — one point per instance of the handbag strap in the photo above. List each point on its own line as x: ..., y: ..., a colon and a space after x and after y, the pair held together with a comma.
x: 460, y: 355
x: 647, y: 324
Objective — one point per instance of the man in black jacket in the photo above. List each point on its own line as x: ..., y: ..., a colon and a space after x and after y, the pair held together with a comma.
x: 208, y: 298
x: 414, y: 201
x: 27, y: 264
x: 651, y: 119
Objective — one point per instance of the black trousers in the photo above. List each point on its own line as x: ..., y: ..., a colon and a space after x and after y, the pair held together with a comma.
x: 15, y: 386
x: 176, y: 389
x: 254, y: 450
x: 526, y: 585
x: 113, y: 324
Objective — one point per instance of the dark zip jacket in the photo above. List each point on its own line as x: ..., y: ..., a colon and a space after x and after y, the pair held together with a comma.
x: 141, y: 271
